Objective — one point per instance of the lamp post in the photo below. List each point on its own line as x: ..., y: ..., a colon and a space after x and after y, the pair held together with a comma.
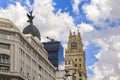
x: 73, y: 76
x: 67, y: 75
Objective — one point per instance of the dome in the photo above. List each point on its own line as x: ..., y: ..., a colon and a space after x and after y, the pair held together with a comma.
x: 31, y: 29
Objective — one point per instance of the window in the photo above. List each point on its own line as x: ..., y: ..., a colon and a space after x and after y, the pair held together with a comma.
x: 75, y: 65
x: 4, y: 46
x: 80, y: 74
x: 75, y: 59
x: 39, y: 67
x: 4, y: 58
x: 79, y: 65
x: 21, y: 70
x: 4, y: 68
x: 4, y: 36
x: 65, y: 62
x: 33, y: 78
x: 80, y: 59
x: 68, y: 62
x: 80, y: 79
x: 4, y: 78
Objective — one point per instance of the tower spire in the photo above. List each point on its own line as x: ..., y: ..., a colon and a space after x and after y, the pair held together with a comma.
x: 70, y: 33
x: 78, y: 33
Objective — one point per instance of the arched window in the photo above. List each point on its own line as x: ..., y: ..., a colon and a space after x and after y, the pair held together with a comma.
x: 75, y: 65
x: 69, y: 62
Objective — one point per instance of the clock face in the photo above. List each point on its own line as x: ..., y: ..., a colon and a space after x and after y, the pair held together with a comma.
x: 74, y: 45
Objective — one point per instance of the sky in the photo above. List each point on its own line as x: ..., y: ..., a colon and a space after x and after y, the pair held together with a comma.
x: 97, y: 20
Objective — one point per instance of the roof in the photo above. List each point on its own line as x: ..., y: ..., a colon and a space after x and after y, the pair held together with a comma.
x: 31, y: 29
x: 7, y: 23
x: 52, y: 46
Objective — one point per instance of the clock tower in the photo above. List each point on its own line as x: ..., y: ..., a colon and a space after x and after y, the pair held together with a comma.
x: 75, y: 58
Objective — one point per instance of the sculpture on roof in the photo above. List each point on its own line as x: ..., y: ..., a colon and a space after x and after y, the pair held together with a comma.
x: 30, y: 16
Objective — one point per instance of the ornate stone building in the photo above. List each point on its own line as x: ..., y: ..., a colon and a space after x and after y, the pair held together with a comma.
x: 22, y: 56
x: 75, y: 58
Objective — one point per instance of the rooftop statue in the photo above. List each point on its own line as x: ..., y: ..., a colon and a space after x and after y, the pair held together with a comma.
x: 30, y: 17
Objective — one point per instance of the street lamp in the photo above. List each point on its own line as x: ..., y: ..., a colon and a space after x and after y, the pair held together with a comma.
x: 67, y: 75
x: 73, y: 76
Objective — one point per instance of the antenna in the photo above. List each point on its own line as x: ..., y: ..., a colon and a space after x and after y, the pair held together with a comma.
x: 52, y: 40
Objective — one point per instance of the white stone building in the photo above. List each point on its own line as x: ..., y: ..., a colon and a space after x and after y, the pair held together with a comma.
x: 22, y: 56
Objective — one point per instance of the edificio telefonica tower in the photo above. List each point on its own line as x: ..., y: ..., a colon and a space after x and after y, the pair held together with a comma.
x: 75, y: 58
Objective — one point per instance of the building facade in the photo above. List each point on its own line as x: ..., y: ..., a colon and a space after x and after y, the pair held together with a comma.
x: 55, y: 52
x: 75, y: 58
x: 22, y: 56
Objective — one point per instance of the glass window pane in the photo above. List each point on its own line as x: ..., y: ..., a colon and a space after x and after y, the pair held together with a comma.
x: 4, y: 46
x: 4, y: 58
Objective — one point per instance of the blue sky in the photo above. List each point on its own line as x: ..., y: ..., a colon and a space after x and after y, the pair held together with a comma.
x: 66, y: 6
x: 97, y: 20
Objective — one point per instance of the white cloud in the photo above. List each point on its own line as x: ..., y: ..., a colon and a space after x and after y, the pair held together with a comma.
x: 75, y: 5
x: 100, y: 10
x: 92, y: 12
x: 107, y: 66
x: 104, y: 34
x: 83, y: 27
x: 16, y: 13
x: 51, y: 24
